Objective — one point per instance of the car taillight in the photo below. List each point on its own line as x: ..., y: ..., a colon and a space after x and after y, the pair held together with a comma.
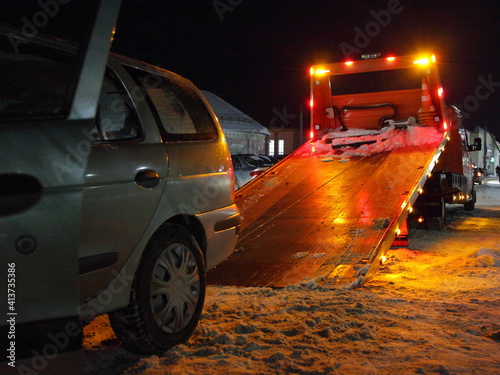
x: 230, y: 170
x: 256, y: 173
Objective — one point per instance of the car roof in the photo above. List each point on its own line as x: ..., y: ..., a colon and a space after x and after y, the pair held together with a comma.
x: 133, y: 63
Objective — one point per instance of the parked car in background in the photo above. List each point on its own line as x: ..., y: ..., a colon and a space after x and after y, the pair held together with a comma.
x: 478, y: 176
x: 141, y: 192
x: 271, y: 159
x: 247, y: 167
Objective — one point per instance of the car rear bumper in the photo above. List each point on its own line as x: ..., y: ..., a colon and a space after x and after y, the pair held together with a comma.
x: 221, y: 229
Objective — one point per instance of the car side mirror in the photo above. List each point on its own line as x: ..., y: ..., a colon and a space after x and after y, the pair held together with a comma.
x: 476, y: 146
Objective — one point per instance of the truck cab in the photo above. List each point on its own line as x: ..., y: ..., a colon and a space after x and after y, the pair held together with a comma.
x: 373, y: 93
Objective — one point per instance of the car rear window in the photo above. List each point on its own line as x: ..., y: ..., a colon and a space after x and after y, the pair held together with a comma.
x: 256, y: 161
x: 377, y: 81
x: 181, y: 114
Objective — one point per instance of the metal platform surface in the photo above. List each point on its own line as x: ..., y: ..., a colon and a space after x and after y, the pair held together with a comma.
x: 317, y: 218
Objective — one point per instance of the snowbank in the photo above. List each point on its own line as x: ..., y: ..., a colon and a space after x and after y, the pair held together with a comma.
x: 486, y: 257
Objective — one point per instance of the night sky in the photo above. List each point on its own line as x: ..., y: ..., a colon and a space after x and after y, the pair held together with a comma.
x: 256, y: 54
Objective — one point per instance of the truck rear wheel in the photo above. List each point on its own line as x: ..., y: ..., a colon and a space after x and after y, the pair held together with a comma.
x: 435, y: 214
x: 471, y: 204
x: 435, y: 223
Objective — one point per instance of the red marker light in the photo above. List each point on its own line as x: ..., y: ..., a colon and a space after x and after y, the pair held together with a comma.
x: 256, y: 173
x: 391, y: 58
x: 349, y: 63
x: 311, y: 134
x: 445, y: 125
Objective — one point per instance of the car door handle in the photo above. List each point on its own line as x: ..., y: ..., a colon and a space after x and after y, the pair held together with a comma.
x: 147, y: 178
x: 18, y: 192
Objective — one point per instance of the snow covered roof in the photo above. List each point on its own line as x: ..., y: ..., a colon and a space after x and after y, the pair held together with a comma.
x: 231, y: 118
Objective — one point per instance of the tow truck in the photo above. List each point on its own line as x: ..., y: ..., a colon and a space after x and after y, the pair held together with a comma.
x: 384, y: 150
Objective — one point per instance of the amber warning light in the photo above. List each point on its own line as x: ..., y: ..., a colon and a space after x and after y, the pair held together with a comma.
x: 318, y: 72
x: 425, y: 60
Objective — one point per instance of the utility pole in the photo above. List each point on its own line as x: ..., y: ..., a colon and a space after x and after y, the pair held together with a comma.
x: 485, y: 150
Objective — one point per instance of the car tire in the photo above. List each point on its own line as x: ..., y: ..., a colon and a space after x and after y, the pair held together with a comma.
x: 167, y: 296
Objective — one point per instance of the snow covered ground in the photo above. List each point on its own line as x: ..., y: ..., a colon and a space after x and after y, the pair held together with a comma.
x: 433, y: 308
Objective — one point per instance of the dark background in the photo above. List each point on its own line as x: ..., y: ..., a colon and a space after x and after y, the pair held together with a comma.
x: 256, y: 54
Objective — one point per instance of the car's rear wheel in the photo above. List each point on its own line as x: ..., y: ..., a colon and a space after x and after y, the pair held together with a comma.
x: 168, y: 294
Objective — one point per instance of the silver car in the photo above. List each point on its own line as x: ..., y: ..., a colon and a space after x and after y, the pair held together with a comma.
x: 142, y: 193
x: 248, y: 166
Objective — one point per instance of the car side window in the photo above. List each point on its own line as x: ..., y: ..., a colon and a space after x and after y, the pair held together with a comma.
x: 179, y: 111
x: 115, y: 120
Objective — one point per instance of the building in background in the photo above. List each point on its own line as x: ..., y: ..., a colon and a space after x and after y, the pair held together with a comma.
x: 281, y: 141
x: 285, y: 139
x: 243, y: 134
x: 489, y: 156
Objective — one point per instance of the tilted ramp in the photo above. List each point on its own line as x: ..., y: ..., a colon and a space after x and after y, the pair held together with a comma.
x: 327, y: 213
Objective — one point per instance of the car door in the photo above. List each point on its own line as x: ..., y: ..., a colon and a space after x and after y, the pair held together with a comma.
x: 48, y: 96
x: 125, y: 177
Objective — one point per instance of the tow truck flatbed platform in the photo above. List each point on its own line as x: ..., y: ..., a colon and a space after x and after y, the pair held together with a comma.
x: 327, y: 217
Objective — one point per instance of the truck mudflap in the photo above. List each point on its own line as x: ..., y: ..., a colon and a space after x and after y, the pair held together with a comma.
x: 329, y: 215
